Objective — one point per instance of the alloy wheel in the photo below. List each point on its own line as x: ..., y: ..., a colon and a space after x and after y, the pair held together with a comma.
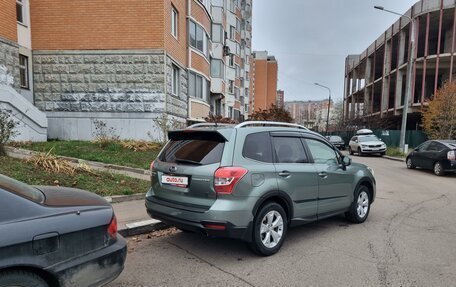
x: 363, y: 204
x: 271, y: 229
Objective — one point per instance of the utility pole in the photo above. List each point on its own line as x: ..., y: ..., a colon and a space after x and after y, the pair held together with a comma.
x: 408, y: 89
x: 329, y: 105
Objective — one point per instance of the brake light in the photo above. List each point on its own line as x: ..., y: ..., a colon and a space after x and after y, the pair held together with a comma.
x: 112, y: 228
x: 451, y: 155
x: 226, y: 178
x: 152, y: 165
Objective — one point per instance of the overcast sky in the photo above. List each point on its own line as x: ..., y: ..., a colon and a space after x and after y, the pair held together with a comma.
x: 311, y: 38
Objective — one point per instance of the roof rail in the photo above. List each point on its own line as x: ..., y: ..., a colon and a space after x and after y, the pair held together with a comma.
x: 265, y: 123
x: 207, y: 125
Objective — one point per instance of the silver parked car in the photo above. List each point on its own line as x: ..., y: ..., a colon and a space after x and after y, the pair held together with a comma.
x: 365, y: 142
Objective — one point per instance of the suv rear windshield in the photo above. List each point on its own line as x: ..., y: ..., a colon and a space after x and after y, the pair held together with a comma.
x: 197, y: 152
x: 21, y: 189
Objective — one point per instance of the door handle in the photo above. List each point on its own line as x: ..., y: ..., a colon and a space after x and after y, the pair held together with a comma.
x: 323, y: 174
x: 284, y: 173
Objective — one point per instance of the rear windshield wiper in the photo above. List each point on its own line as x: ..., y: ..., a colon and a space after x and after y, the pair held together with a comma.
x: 188, y: 161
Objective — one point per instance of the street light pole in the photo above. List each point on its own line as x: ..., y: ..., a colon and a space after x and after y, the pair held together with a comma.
x: 329, y: 105
x: 408, y: 91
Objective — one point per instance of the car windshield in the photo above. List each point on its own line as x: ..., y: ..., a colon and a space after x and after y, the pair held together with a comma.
x: 335, y: 138
x: 368, y: 138
x: 21, y: 189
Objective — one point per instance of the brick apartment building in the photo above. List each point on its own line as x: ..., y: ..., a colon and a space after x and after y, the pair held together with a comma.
x: 280, y: 101
x: 375, y: 80
x: 128, y: 62
x: 311, y: 114
x: 264, y: 83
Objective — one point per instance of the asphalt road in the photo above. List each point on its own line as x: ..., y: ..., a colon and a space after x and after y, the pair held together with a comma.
x: 409, y: 239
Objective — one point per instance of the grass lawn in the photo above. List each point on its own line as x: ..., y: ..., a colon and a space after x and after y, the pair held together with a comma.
x: 113, y: 153
x: 103, y: 184
x: 395, y: 152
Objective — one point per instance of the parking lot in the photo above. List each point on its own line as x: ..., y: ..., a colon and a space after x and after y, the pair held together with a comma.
x: 408, y: 240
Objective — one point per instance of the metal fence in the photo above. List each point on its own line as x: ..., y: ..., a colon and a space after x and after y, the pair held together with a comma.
x: 389, y: 137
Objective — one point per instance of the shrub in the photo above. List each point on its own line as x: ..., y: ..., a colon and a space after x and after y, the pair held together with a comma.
x: 7, y: 130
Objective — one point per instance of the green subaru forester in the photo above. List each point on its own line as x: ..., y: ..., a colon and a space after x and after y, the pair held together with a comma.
x: 253, y: 181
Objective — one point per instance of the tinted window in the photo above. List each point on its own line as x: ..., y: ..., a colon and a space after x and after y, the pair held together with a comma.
x: 289, y: 150
x: 321, y: 152
x: 354, y: 138
x: 423, y: 146
x: 368, y: 138
x: 258, y: 147
x: 21, y: 189
x: 435, y: 146
x: 199, y: 152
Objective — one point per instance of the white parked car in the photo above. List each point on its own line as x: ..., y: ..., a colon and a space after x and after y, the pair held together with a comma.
x: 365, y: 142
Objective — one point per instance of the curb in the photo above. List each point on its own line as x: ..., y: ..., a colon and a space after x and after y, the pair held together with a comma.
x: 141, y: 227
x: 112, y: 168
x: 124, y: 198
x: 394, y: 158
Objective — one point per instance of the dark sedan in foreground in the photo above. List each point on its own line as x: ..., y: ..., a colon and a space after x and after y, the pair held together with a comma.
x: 436, y: 155
x: 54, y: 236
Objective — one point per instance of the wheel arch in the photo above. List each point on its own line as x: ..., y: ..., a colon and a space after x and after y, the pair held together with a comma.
x: 280, y: 197
x: 50, y: 278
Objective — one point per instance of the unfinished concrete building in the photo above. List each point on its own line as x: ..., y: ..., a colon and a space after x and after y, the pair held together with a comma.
x: 375, y: 80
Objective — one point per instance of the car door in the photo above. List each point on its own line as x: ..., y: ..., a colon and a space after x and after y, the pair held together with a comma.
x: 335, y: 184
x: 418, y: 154
x: 354, y: 144
x: 432, y: 154
x: 295, y: 175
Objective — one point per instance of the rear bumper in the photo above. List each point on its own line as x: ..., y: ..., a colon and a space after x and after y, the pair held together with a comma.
x: 94, y: 269
x: 219, y: 222
x: 449, y: 166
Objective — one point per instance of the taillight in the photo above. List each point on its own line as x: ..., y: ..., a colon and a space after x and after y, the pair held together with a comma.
x: 152, y: 165
x: 112, y: 228
x: 451, y: 155
x: 226, y: 178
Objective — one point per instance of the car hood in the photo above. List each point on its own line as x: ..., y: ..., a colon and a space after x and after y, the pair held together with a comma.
x: 64, y: 196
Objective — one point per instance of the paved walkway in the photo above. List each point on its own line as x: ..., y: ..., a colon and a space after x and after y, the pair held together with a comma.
x: 130, y: 212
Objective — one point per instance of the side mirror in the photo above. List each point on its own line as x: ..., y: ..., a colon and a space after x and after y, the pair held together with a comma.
x: 356, y: 141
x: 346, y: 161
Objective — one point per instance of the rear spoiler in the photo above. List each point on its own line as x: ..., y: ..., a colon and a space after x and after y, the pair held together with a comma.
x: 190, y: 134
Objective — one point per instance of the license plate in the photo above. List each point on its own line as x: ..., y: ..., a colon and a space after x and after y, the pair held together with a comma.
x: 175, y: 180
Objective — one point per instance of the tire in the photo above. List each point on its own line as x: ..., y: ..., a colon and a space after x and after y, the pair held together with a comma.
x: 21, y: 278
x: 410, y: 164
x: 350, y: 150
x: 438, y: 169
x: 263, y: 229
x: 359, y: 209
x: 360, y: 153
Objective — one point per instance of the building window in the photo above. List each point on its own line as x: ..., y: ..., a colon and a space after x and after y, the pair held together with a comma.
x: 216, y: 68
x: 20, y: 11
x: 198, y: 38
x: 232, y: 32
x: 230, y: 86
x: 231, y: 62
x: 23, y: 71
x: 174, y: 21
x: 237, y: 93
x: 237, y: 71
x: 230, y: 112
x: 217, y: 33
x: 238, y: 25
x: 175, y: 80
x: 198, y: 86
x: 246, y: 76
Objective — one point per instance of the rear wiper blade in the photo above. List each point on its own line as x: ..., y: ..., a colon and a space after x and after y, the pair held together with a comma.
x: 188, y: 161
